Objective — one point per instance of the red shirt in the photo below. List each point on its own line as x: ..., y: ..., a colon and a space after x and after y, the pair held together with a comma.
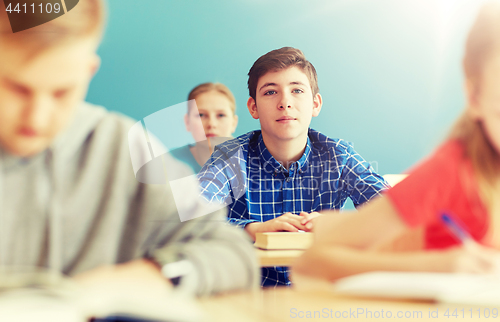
x: 443, y: 183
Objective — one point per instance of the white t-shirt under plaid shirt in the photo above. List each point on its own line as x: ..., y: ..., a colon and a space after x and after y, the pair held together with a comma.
x: 243, y: 174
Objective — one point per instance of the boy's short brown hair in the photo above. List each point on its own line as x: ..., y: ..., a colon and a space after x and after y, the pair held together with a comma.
x: 279, y: 59
x: 86, y: 19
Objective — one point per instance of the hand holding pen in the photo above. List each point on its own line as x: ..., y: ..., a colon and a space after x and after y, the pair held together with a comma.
x: 472, y: 257
x: 457, y: 230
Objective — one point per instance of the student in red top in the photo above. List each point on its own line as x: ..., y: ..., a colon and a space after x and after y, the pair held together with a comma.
x: 461, y: 179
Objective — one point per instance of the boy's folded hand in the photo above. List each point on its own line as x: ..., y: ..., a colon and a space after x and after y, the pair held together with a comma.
x: 307, y: 219
x: 285, y: 222
x: 291, y: 222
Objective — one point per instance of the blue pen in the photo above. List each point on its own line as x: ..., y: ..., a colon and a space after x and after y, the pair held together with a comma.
x: 456, y: 229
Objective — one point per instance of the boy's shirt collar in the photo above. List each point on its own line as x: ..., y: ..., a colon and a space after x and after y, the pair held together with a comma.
x: 272, y: 166
x: 9, y: 161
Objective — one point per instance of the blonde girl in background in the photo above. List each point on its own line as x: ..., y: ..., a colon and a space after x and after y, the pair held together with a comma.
x: 211, y: 121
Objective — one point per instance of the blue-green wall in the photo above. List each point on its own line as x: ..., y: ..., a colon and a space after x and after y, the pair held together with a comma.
x: 389, y: 70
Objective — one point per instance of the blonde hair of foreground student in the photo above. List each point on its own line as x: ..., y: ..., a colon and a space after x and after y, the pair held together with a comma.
x: 353, y: 243
x: 46, y: 69
x: 86, y: 20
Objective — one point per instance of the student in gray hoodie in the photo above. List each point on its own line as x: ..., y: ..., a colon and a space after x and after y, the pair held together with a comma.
x: 69, y: 199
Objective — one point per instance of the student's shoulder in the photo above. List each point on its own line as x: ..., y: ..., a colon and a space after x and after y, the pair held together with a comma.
x: 91, y: 125
x: 99, y: 140
x: 111, y: 121
x: 447, y: 159
x: 451, y: 150
x: 243, y: 142
x: 323, y: 144
x: 90, y: 118
x: 98, y: 134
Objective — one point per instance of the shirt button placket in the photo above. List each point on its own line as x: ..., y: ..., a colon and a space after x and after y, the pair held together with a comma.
x: 288, y: 193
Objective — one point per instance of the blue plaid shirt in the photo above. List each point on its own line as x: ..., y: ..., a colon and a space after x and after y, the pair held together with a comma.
x: 242, y: 174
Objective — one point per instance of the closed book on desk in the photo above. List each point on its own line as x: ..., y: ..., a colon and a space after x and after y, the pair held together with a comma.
x: 283, y: 240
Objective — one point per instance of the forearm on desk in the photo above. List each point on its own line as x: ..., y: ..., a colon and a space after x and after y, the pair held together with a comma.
x: 254, y: 227
x: 224, y: 262
x: 222, y: 255
x: 333, y: 262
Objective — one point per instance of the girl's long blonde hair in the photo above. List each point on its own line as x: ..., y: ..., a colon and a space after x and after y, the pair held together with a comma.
x: 482, y: 43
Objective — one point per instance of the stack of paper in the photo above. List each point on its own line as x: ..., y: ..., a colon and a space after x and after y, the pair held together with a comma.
x: 472, y: 289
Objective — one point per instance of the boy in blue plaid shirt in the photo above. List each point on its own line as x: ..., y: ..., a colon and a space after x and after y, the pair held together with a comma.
x: 278, y: 178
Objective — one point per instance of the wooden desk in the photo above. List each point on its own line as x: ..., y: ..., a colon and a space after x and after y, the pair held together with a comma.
x: 277, y: 257
x: 288, y: 304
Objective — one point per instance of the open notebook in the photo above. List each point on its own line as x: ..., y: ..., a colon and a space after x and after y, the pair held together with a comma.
x: 443, y: 287
x: 43, y: 296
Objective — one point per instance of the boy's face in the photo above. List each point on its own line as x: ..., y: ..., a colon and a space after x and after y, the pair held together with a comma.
x: 38, y: 96
x: 284, y: 104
